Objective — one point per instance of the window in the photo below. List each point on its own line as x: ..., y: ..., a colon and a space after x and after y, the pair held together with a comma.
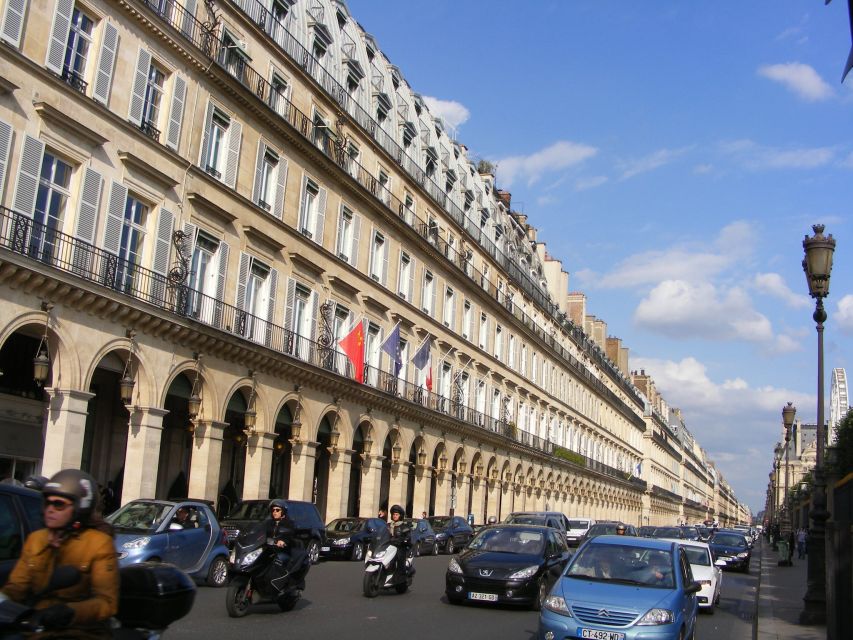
x: 132, y: 232
x: 484, y: 331
x: 347, y: 235
x: 372, y: 353
x: 378, y: 258
x: 204, y: 278
x: 321, y: 42
x: 153, y: 99
x: 484, y: 279
x: 256, y: 298
x: 404, y: 282
x: 409, y: 134
x: 534, y: 369
x: 444, y: 381
x: 430, y: 162
x: 214, y: 162
x: 499, y: 342
x: 341, y: 322
x: 384, y: 187
x: 496, y: 405
x: 77, y: 49
x: 51, y: 200
x: 279, y: 94
x: 511, y: 358
x: 408, y: 210
x: 428, y: 304
x: 312, y: 211
x: 352, y: 159
x: 403, y: 375
x: 233, y: 56
x: 267, y: 175
x: 383, y: 107
x: 322, y: 133
x: 449, y: 307
x: 523, y: 360
x: 480, y: 401
x: 466, y: 320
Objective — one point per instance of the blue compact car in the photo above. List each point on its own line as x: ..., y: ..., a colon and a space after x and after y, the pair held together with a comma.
x: 623, y: 588
x: 183, y: 533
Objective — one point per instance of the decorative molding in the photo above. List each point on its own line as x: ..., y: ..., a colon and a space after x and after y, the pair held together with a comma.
x: 343, y: 286
x: 305, y: 264
x: 136, y: 164
x: 201, y: 203
x: 258, y: 237
x: 62, y: 120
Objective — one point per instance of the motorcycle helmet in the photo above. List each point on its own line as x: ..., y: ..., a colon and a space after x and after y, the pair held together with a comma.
x: 493, y: 520
x: 398, y: 510
x: 278, y: 502
x: 77, y: 486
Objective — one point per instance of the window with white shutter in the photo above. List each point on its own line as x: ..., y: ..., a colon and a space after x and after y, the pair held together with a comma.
x: 87, y: 220
x: 312, y: 210
x: 106, y: 64
x: 176, y: 112
x: 160, y: 258
x: 5, y: 149
x: 12, y: 28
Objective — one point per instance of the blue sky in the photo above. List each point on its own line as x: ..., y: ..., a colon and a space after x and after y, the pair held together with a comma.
x: 673, y: 155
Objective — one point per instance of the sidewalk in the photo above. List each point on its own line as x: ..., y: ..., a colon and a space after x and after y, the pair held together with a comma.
x: 780, y: 600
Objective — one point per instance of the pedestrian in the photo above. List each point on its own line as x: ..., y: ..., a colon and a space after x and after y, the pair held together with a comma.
x: 801, y: 543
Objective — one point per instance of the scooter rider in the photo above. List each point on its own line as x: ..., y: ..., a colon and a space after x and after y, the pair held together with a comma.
x: 71, y: 537
x: 399, y: 535
x: 280, y: 530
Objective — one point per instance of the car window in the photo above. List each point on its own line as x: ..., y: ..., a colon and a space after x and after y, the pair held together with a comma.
x: 578, y: 524
x: 686, y: 571
x: 10, y: 530
x: 698, y: 555
x: 139, y: 516
x: 551, y: 548
x: 621, y: 563
x: 509, y: 541
x: 34, y: 511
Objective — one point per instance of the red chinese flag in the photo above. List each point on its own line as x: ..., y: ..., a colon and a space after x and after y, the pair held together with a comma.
x: 353, y: 347
x: 429, y: 376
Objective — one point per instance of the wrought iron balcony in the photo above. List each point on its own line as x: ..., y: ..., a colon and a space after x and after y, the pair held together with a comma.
x: 74, y: 79
x: 147, y: 127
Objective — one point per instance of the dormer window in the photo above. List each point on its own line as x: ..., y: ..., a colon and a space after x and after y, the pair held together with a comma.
x: 370, y: 53
x: 355, y: 74
x: 322, y: 41
x: 431, y: 162
x: 342, y: 20
x: 383, y: 107
x: 450, y: 180
x: 469, y: 200
x: 409, y: 134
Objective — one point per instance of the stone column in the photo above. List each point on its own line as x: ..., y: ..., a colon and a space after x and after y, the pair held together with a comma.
x: 142, y: 456
x: 442, y: 492
x: 398, y: 485
x: 463, y: 481
x: 302, y: 470
x: 423, y: 475
x: 495, y: 489
x: 477, y: 499
x: 371, y: 478
x: 206, y: 456
x: 65, y: 428
x: 256, y: 477
x: 340, y: 465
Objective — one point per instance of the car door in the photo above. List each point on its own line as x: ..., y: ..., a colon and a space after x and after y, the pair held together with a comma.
x: 186, y: 548
x: 690, y: 603
x: 556, y: 556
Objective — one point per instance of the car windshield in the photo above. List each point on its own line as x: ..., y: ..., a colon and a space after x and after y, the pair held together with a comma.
x: 438, y: 523
x: 509, y: 540
x: 729, y: 539
x: 345, y: 525
x: 578, y: 524
x: 250, y: 511
x: 624, y: 565
x: 526, y: 519
x: 143, y: 517
x: 667, y: 532
x: 695, y: 555
x: 602, y: 529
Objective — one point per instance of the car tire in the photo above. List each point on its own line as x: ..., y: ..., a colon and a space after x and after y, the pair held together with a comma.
x: 541, y: 594
x: 313, y: 552
x: 236, y: 601
x: 217, y: 574
x: 358, y: 552
x: 450, y: 547
x: 435, y: 548
x: 417, y: 550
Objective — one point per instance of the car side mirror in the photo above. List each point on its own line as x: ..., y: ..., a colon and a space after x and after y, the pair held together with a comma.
x: 175, y: 527
x: 720, y: 562
x: 693, y: 587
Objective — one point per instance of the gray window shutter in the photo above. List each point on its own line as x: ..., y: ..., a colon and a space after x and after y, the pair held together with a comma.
x: 371, y: 262
x: 281, y: 185
x: 59, y: 35
x: 115, y: 217
x: 290, y: 301
x: 140, y: 84
x: 385, y: 253
x: 190, y: 233
x: 187, y: 26
x: 235, y: 133
x: 160, y: 262
x: 356, y: 232
x: 432, y: 306
x: 176, y: 113
x: 13, y: 22
x: 259, y: 173
x: 242, y: 280
x: 87, y: 220
x: 224, y: 251
x: 273, y: 289
x: 303, y: 206
x: 106, y: 64
x: 321, y: 217
x: 5, y: 148
x: 205, y: 140
x: 315, y: 314
x: 412, y: 281
x: 27, y: 185
x: 340, y: 236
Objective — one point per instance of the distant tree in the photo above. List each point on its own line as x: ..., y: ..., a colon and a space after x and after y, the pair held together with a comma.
x: 844, y: 444
x: 484, y: 166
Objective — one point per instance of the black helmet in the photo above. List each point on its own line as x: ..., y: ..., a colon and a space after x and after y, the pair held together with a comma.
x: 398, y: 510
x: 278, y: 502
x: 79, y: 487
x: 35, y: 482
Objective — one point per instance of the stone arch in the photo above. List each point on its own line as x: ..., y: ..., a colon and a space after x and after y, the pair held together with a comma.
x: 65, y: 367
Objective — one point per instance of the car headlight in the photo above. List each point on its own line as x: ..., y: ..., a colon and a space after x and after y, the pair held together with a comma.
x: 523, y: 574
x: 454, y: 566
x: 557, y: 604
x: 138, y: 543
x: 340, y: 542
x: 743, y: 555
x: 250, y: 557
x: 656, y: 616
x: 440, y: 536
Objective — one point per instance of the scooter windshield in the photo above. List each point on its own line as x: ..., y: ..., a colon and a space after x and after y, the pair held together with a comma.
x: 381, y: 539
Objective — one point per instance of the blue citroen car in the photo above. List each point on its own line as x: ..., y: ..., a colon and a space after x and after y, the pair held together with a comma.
x: 623, y: 588
x: 184, y: 533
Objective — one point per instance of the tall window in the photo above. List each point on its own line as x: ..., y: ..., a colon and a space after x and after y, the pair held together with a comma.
x: 268, y: 179
x: 449, y: 307
x: 534, y: 369
x: 404, y: 369
x: 378, y: 257
x: 77, y: 49
x: 153, y: 100
x: 404, y: 286
x: 499, y: 342
x: 312, y: 205
x: 345, y: 233
x: 511, y: 358
x: 384, y: 187
x: 429, y: 292
x: 484, y: 331
x: 372, y: 353
x: 303, y: 321
x: 279, y: 94
x: 467, y: 313
x: 352, y: 159
x: 132, y: 232
x: 523, y: 360
x: 52, y: 197
x: 203, y: 276
x: 408, y: 211
x: 217, y: 144
x: 480, y: 401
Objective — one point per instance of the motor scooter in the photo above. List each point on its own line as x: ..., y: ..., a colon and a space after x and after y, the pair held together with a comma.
x: 384, y: 567
x: 256, y: 576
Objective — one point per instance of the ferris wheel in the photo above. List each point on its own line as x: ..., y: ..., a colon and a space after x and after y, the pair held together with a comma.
x: 839, y: 402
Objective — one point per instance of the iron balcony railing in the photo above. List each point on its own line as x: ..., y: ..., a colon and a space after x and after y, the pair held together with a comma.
x: 239, y: 68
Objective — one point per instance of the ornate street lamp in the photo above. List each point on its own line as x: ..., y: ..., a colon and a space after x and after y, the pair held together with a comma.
x: 462, y: 466
x: 395, y: 452
x: 41, y: 362
x: 442, y: 462
x: 788, y: 413
x: 421, y: 457
x: 817, y: 265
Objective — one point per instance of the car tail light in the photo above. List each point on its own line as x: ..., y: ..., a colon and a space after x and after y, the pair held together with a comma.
x: 223, y: 537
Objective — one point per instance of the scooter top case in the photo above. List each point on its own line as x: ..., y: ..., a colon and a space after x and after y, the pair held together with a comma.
x: 154, y: 595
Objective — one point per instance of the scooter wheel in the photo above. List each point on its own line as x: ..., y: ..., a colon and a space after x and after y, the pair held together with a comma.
x: 287, y: 602
x: 371, y: 584
x: 401, y: 588
x: 238, y: 598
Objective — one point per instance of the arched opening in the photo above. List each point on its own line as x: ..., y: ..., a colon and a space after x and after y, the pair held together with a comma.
x: 320, y: 488
x: 176, y: 439
x: 355, y: 472
x: 433, y: 481
x: 282, y: 451
x: 232, y: 464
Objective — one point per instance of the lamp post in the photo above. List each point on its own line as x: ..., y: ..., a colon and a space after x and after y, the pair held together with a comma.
x: 788, y: 413
x: 817, y: 265
x: 777, y: 507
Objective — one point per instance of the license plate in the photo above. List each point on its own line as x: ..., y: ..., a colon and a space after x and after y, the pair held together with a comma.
x: 324, y: 548
x: 595, y: 634
x: 486, y: 597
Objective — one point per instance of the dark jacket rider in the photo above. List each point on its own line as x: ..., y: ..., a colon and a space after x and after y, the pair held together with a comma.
x: 280, y: 529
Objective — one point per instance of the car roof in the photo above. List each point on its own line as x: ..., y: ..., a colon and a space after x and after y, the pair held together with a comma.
x: 688, y: 543
x: 520, y: 527
x: 661, y: 544
x: 21, y: 491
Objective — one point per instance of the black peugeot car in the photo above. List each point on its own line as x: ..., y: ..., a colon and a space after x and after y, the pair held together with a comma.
x: 349, y: 538
x: 731, y: 547
x: 508, y: 564
x: 451, y: 532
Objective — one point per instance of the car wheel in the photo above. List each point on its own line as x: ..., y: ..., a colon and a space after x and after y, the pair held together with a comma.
x: 450, y: 548
x: 313, y: 552
x: 217, y: 575
x: 417, y: 550
x: 435, y: 548
x: 358, y: 552
x: 541, y: 594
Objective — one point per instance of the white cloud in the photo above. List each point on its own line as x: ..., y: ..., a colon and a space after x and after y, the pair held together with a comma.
x: 757, y: 157
x: 702, y: 169
x: 544, y: 201
x: 847, y: 163
x: 773, y: 284
x: 453, y: 113
x: 800, y: 78
x: 582, y: 184
x: 844, y: 314
x: 650, y: 162
x: 560, y: 155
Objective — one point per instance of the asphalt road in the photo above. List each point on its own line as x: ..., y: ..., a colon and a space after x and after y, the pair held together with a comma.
x: 334, y: 607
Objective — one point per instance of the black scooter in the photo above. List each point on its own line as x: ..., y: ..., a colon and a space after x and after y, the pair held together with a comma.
x: 254, y: 572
